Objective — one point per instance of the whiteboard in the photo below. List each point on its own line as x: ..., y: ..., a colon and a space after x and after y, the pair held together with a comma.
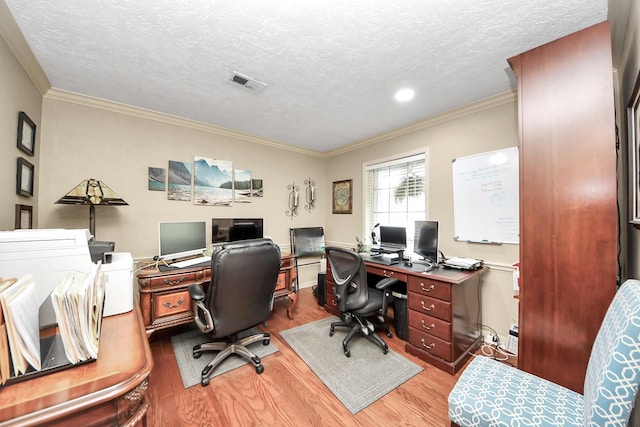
x: 486, y: 197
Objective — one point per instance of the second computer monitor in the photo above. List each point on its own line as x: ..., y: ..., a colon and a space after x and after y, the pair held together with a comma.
x: 426, y: 240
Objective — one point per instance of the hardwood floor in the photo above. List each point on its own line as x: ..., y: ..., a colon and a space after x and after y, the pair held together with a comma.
x: 288, y: 393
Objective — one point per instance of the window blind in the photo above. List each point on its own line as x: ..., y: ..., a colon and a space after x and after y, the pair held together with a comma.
x: 396, y: 193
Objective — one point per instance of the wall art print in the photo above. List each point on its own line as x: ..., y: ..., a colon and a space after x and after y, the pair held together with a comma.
x: 242, y: 186
x: 179, y: 181
x: 213, y: 182
x: 256, y: 188
x: 157, y: 179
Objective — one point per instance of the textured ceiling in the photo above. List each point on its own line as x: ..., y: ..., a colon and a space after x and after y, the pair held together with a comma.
x: 332, y: 66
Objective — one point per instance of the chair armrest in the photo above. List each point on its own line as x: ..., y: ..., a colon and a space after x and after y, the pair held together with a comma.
x: 386, y: 282
x: 384, y: 285
x: 196, y: 292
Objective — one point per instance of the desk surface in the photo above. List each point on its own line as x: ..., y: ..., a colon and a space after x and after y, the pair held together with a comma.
x: 440, y: 273
x: 123, y: 365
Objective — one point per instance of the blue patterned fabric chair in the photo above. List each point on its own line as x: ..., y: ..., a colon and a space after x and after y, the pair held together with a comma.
x: 490, y: 393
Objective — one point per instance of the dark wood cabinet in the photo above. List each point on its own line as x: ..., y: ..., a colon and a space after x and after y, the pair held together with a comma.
x: 568, y: 213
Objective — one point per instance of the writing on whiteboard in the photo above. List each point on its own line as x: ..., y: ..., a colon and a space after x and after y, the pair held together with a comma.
x: 486, y: 197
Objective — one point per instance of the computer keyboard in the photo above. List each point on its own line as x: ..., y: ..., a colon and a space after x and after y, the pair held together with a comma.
x: 190, y: 262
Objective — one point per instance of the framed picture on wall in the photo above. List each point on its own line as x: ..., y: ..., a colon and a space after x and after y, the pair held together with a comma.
x: 24, y: 177
x: 633, y: 116
x: 26, y: 134
x: 24, y: 217
x: 342, y: 196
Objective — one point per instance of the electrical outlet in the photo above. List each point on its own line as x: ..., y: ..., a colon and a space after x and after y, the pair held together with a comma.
x: 490, y: 338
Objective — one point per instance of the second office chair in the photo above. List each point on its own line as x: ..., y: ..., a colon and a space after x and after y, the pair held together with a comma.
x: 356, y: 301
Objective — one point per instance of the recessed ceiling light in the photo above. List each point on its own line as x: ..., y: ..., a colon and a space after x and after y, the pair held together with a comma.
x: 404, y: 95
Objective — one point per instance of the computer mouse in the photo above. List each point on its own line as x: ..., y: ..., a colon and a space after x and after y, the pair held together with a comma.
x: 408, y: 263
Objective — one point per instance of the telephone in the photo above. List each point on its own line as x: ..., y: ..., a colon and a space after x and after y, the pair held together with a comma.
x: 512, y: 340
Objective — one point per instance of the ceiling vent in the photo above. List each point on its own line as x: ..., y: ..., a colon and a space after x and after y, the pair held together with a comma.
x: 247, y: 83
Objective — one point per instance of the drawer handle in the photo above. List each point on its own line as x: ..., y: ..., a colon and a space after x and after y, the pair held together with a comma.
x: 428, y: 347
x: 173, y: 282
x: 429, y: 327
x: 429, y: 289
x: 169, y: 305
x: 387, y: 274
x: 431, y: 307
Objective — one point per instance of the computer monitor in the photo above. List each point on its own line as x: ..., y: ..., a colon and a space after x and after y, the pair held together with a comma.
x: 181, y: 239
x: 307, y: 241
x: 426, y: 240
x: 394, y: 237
x: 224, y: 230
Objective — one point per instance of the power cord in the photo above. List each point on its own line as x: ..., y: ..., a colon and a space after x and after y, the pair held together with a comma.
x: 494, y: 349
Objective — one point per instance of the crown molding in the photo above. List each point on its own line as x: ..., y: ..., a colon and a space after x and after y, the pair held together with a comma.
x: 12, y: 35
x: 88, y: 101
x: 485, y: 104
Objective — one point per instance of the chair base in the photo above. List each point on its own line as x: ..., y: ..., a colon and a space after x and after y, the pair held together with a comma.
x: 363, y: 327
x: 225, y: 349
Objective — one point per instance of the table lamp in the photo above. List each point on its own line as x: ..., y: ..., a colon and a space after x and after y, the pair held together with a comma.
x: 92, y: 192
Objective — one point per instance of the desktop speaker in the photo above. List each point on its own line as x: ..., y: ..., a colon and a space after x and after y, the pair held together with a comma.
x: 321, y: 289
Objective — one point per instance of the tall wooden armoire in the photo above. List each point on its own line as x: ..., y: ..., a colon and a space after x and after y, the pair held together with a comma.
x: 568, y: 213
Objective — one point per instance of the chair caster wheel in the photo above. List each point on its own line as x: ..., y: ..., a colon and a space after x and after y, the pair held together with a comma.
x: 197, y: 354
x: 205, y: 382
x: 347, y: 352
x: 331, y: 331
x: 259, y: 369
x: 266, y: 342
x: 390, y: 334
x: 385, y: 349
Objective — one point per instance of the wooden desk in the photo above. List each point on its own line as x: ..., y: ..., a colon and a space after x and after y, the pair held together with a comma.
x: 165, y: 300
x: 107, y: 392
x: 444, y: 316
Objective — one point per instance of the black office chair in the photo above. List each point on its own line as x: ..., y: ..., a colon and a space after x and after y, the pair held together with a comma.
x: 240, y: 296
x: 357, y: 302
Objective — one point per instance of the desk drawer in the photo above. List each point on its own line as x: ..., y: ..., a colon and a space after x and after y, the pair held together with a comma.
x: 429, y: 287
x: 385, y: 272
x: 171, y: 303
x: 287, y: 262
x: 430, y: 325
x: 331, y: 299
x: 183, y: 278
x: 430, y: 344
x: 282, y: 281
x: 431, y: 306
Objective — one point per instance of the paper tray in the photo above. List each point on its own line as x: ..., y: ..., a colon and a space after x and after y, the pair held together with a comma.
x: 53, y: 359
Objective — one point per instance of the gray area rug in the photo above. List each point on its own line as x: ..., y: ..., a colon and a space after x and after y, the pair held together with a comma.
x: 191, y: 369
x: 357, y: 381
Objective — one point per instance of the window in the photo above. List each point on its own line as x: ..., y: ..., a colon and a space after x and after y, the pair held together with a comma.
x: 396, y: 193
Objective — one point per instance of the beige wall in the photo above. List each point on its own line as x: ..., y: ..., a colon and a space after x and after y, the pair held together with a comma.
x: 462, y: 133
x: 86, y: 141
x: 17, y: 94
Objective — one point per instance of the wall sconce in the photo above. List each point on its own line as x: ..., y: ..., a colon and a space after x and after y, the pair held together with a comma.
x: 294, y: 200
x: 311, y: 194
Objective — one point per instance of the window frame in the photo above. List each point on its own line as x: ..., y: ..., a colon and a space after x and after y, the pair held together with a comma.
x: 398, y: 159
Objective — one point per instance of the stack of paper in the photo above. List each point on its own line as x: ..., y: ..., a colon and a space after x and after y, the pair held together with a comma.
x: 463, y: 263
x: 19, y: 330
x: 78, y: 301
